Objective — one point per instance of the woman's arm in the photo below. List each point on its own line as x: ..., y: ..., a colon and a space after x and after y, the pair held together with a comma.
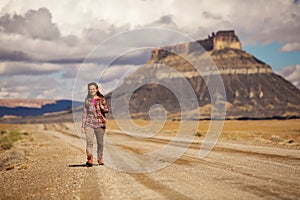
x: 103, y: 105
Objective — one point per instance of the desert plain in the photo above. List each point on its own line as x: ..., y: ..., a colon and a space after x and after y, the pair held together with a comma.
x: 252, y: 159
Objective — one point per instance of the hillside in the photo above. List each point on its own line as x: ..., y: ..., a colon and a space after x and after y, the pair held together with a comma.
x: 252, y: 89
x: 36, y: 111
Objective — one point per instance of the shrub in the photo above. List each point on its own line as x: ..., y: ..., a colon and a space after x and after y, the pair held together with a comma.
x: 8, y: 138
x: 198, y: 134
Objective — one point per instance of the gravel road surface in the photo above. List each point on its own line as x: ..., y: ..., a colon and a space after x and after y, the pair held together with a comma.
x: 54, y: 170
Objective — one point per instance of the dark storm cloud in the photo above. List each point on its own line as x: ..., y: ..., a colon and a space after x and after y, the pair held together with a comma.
x: 6, y: 55
x: 35, y: 24
x: 66, y: 61
x: 27, y: 69
x: 208, y: 14
x: 128, y: 59
x: 165, y: 21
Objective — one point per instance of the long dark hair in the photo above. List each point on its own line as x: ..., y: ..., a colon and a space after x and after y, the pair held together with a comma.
x: 98, y: 92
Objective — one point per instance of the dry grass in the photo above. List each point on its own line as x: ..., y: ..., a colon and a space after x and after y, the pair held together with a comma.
x: 11, y: 153
x: 278, y: 132
x: 8, y: 138
x: 285, y: 132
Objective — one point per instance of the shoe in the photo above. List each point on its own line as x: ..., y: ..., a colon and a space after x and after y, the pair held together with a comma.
x: 100, y: 161
x: 89, y: 161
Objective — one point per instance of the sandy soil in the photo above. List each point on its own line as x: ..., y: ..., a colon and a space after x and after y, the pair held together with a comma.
x: 253, y: 159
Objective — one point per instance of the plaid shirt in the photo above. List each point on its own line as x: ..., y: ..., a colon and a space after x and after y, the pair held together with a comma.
x: 93, y: 116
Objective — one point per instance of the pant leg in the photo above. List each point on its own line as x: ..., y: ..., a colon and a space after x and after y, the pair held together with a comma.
x: 89, y: 133
x: 99, y: 132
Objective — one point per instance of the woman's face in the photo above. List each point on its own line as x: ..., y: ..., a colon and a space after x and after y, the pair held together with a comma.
x: 92, y: 90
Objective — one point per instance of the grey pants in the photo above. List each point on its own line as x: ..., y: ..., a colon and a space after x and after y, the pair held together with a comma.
x: 90, y: 132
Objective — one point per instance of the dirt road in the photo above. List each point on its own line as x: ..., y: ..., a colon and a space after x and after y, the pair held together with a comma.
x: 231, y: 171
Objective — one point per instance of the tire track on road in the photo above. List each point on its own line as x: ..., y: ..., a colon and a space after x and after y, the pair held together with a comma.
x: 163, y: 190
x: 271, y: 184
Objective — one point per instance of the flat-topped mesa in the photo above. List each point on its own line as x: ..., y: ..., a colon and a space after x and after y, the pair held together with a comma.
x: 225, y: 39
x: 221, y: 40
x: 218, y: 41
x: 224, y: 48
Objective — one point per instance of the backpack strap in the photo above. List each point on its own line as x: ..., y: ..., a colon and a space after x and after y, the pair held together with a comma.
x: 100, y: 103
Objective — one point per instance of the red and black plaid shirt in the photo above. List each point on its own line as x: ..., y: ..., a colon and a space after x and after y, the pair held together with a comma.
x: 93, y: 116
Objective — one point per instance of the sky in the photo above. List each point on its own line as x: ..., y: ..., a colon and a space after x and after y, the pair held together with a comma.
x: 44, y: 43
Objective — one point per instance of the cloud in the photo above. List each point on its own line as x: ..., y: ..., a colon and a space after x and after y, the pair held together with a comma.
x: 208, y: 14
x: 42, y: 87
x: 51, y: 85
x: 33, y: 36
x: 72, y: 33
x: 292, y: 74
x: 100, y: 30
x: 295, y: 46
x: 93, y: 72
x: 19, y: 41
x: 23, y: 48
x: 14, y: 55
x: 21, y: 68
x: 36, y: 24
x: 265, y: 23
x: 137, y: 57
x: 108, y: 77
x: 166, y: 21
x: 257, y: 18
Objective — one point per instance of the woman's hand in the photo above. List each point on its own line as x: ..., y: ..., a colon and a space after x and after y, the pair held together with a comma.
x: 101, y: 107
x: 83, y: 130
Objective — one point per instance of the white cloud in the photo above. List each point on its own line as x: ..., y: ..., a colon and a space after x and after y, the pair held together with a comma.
x: 75, y: 27
x: 34, y: 24
x: 21, y: 68
x: 264, y: 22
x: 292, y: 74
x: 90, y: 72
x: 35, y: 80
x: 43, y: 50
x: 291, y: 47
x: 36, y: 87
x: 107, y: 78
x: 188, y: 15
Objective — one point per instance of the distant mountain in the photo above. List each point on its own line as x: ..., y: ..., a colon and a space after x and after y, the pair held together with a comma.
x: 10, y: 108
x: 253, y: 90
x: 29, y: 103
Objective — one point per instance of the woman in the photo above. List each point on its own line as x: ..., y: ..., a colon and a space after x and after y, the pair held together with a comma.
x: 94, y: 122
